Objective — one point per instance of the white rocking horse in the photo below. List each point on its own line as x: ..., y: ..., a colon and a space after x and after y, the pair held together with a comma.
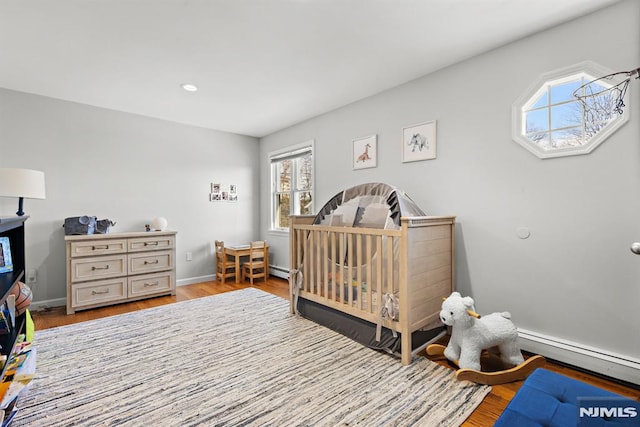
x: 473, y: 335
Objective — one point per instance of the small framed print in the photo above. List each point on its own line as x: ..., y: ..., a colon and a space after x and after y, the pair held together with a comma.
x: 419, y: 142
x: 365, y: 152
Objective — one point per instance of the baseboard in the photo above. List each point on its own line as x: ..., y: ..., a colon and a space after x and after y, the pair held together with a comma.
x: 281, y: 272
x: 45, y: 304
x: 194, y: 280
x: 594, y: 359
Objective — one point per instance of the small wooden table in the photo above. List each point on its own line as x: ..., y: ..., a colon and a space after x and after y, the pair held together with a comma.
x: 238, y: 251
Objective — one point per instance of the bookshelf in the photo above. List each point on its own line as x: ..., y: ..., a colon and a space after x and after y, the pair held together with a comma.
x: 13, y: 229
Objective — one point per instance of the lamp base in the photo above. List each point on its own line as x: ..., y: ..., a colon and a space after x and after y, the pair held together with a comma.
x: 20, y: 204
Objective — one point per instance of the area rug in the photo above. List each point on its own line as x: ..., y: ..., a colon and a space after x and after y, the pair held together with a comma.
x: 234, y: 359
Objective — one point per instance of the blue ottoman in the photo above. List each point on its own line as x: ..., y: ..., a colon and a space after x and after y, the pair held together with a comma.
x: 550, y: 399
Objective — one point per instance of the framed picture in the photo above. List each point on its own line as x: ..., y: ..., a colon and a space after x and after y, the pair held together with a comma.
x: 419, y: 142
x: 365, y: 152
x: 6, y: 263
x: 223, y: 192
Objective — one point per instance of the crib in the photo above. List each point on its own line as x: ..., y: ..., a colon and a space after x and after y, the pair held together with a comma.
x: 392, y: 281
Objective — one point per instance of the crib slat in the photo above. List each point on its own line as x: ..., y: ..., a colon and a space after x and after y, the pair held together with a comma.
x: 309, y: 258
x: 359, y: 270
x: 325, y: 263
x: 389, y: 266
x: 318, y: 270
x: 379, y: 279
x: 350, y: 264
x: 333, y: 266
x: 369, y: 258
x: 341, y: 276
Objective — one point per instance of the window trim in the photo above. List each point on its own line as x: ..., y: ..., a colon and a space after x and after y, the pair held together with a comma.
x: 518, y: 119
x: 291, y: 151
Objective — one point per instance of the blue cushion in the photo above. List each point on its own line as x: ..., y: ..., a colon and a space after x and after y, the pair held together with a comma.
x: 550, y: 399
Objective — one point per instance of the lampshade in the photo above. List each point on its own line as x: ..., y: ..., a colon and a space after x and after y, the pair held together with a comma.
x: 22, y: 183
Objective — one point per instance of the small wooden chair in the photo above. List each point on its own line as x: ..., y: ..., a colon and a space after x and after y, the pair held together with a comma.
x: 225, y: 267
x: 258, y: 262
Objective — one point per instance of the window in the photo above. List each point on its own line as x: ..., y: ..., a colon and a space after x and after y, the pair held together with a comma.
x: 291, y: 184
x: 549, y: 121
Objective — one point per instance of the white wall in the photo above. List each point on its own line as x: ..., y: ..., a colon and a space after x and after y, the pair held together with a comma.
x: 574, y: 282
x: 127, y: 168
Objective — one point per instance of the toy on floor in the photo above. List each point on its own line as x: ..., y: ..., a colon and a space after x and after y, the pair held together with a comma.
x: 471, y: 334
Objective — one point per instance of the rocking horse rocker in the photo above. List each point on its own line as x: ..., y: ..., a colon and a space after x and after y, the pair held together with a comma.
x: 473, y: 336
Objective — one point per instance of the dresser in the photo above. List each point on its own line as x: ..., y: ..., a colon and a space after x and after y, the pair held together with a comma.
x: 104, y: 269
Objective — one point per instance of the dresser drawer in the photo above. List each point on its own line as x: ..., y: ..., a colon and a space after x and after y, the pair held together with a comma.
x: 149, y: 262
x: 98, y: 247
x: 98, y: 292
x: 151, y: 284
x: 83, y: 269
x: 150, y: 243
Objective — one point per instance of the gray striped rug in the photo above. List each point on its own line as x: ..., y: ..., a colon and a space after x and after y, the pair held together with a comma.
x: 234, y: 359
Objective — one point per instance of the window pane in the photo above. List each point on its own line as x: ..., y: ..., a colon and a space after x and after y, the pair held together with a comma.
x: 565, y: 115
x: 564, y: 92
x: 542, y: 101
x: 537, y: 120
x: 305, y: 172
x: 593, y: 89
x: 283, y: 175
x: 540, y: 138
x: 283, y: 203
x: 566, y: 138
x: 599, y: 112
x: 600, y: 108
x: 304, y: 204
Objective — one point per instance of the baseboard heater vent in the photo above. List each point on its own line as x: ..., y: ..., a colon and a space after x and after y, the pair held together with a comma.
x: 281, y: 272
x: 605, y: 362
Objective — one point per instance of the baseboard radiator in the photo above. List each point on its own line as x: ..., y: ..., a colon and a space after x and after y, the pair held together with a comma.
x: 594, y: 359
x: 281, y: 272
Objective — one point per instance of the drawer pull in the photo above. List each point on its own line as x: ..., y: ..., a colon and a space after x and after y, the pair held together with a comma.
x: 148, y: 285
x: 151, y: 262
x: 151, y: 243
x: 93, y: 248
x: 99, y: 292
x: 94, y: 268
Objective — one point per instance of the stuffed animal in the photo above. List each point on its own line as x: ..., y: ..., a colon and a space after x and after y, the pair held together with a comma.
x: 471, y: 333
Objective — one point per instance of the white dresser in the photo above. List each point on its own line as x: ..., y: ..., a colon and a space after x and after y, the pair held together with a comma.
x: 104, y: 269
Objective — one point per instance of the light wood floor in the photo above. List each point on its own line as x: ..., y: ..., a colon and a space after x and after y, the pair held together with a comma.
x: 485, y: 415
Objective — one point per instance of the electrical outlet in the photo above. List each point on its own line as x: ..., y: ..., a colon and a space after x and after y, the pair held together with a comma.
x: 32, y: 276
x: 189, y: 256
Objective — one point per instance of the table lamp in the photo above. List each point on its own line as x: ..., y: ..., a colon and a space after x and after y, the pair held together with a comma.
x: 21, y: 183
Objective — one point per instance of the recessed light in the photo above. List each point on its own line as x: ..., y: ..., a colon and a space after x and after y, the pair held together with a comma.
x: 189, y: 87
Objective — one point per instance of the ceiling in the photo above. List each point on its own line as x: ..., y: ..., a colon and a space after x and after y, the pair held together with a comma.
x: 260, y: 65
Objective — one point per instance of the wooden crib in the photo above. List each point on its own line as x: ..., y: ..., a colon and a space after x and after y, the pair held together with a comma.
x: 415, y: 264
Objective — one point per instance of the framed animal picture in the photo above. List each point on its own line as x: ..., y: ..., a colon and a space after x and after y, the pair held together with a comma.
x: 365, y: 152
x: 419, y: 142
